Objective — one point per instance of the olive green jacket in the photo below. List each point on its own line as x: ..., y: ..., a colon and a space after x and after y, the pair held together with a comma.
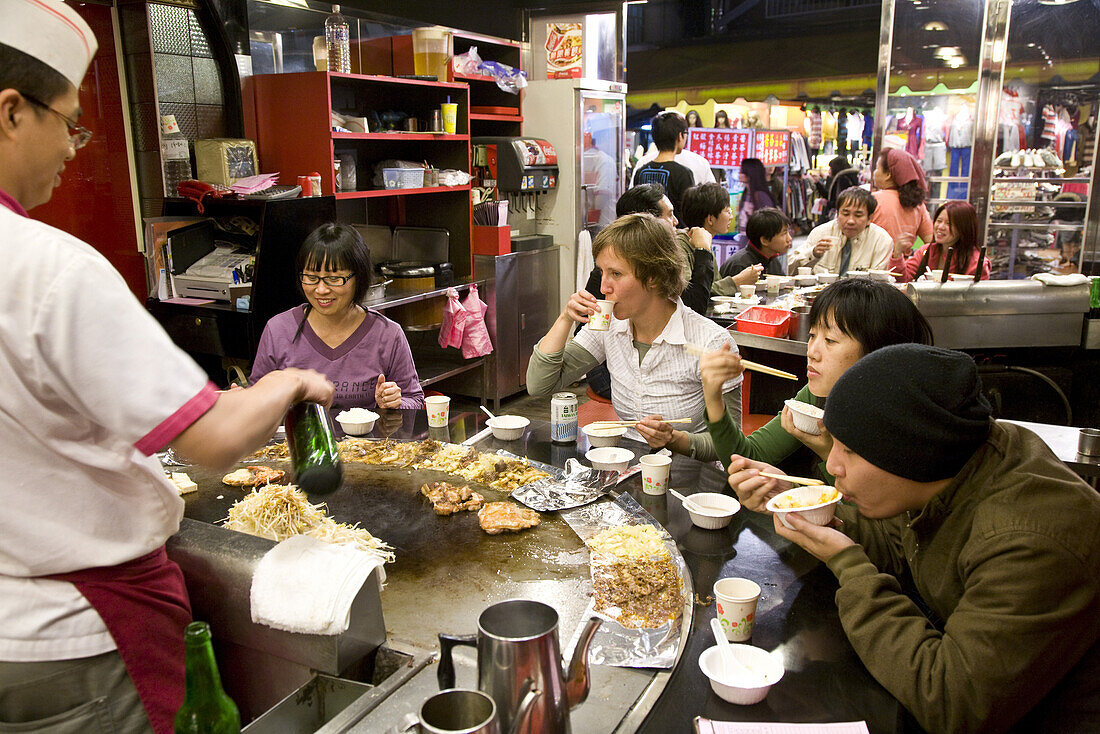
x: 1008, y: 557
x: 770, y: 443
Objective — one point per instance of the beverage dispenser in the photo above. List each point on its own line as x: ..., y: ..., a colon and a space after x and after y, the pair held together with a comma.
x: 523, y: 171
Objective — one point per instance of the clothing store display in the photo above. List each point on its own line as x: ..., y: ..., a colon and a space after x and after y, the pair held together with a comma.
x: 960, y: 166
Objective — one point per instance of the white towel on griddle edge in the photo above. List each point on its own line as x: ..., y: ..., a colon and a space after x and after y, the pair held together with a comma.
x: 307, y: 586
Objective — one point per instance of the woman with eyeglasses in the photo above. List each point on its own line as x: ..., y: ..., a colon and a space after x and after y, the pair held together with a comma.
x: 363, y: 353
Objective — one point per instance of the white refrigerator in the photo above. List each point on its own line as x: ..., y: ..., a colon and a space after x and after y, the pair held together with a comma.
x: 583, y: 119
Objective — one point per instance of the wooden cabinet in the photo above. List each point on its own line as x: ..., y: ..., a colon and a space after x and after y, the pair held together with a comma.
x: 294, y: 136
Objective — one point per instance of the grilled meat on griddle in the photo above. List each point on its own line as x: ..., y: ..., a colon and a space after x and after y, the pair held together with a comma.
x: 496, y: 517
x: 447, y: 499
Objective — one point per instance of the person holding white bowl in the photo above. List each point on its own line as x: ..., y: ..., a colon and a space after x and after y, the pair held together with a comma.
x: 849, y: 319
x: 966, y: 551
x: 653, y: 376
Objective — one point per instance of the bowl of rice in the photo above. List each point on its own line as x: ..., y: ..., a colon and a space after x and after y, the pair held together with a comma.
x: 815, y: 504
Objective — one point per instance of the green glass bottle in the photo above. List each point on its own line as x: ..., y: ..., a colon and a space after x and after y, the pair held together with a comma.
x: 313, y: 450
x: 206, y: 709
x: 1094, y: 297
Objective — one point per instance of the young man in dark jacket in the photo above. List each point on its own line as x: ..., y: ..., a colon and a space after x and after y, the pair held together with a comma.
x: 994, y: 535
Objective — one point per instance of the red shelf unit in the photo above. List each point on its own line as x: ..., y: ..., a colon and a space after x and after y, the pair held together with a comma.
x: 294, y: 136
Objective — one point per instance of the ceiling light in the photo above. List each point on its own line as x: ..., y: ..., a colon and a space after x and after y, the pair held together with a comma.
x: 946, y: 52
x: 935, y: 25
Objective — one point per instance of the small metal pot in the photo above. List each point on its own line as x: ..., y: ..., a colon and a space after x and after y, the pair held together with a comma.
x: 376, y: 292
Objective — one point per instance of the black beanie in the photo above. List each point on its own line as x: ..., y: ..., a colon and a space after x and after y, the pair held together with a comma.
x: 912, y: 410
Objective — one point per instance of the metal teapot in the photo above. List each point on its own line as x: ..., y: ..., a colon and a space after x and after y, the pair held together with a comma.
x: 517, y: 654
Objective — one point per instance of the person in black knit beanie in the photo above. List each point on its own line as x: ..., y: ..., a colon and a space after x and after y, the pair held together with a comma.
x: 966, y: 552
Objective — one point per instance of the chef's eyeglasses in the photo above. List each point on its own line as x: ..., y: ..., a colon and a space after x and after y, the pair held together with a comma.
x: 78, y: 134
x: 332, y: 281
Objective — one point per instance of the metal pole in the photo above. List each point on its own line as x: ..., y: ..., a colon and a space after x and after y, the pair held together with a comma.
x: 882, y: 87
x: 991, y: 71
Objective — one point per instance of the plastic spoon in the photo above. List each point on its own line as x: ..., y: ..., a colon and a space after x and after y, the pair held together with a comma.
x: 486, y: 412
x: 730, y: 664
x: 685, y: 501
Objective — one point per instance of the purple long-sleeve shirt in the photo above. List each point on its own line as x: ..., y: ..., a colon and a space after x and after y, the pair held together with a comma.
x: 378, y: 346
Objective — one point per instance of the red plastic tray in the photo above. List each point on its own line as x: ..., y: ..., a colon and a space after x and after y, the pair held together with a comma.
x: 764, y: 321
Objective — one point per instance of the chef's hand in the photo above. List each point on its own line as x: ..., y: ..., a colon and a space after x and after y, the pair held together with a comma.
x: 699, y: 238
x: 581, y: 306
x: 313, y: 387
x: 753, y: 490
x: 820, y: 445
x: 749, y: 275
x: 655, y: 431
x: 387, y: 394
x: 820, y: 542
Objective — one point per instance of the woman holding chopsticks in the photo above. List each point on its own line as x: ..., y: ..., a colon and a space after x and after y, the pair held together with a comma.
x: 653, y: 375
x: 849, y: 319
x: 954, y: 230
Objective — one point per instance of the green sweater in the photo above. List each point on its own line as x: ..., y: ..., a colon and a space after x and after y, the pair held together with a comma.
x: 769, y: 443
x: 1007, y: 556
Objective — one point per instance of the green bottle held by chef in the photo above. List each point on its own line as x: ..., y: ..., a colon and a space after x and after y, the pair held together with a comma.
x: 314, y: 453
x: 206, y: 709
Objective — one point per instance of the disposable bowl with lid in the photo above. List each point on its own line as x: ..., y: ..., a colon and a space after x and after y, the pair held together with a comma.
x: 356, y: 421
x: 805, y: 416
x: 508, y: 427
x: 741, y: 688
x: 808, y: 504
x: 603, y: 435
x: 827, y: 278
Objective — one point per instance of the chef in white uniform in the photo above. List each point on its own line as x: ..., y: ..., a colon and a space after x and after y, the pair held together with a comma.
x: 91, y: 610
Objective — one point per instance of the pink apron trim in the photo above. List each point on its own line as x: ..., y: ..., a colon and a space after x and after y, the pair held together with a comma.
x: 144, y: 604
x: 6, y: 200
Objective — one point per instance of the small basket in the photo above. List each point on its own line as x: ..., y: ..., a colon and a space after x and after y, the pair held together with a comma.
x: 403, y: 178
x: 764, y: 321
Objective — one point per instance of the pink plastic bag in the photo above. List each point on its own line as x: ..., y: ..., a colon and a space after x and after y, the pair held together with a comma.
x: 475, y: 337
x: 454, y: 321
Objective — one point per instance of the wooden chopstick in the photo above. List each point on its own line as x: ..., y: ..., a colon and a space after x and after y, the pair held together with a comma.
x: 794, y: 480
x: 757, y: 367
x: 697, y: 351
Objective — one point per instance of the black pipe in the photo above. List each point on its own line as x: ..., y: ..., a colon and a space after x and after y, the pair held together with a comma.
x: 991, y: 368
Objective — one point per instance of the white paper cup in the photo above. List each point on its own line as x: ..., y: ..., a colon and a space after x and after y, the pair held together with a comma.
x: 601, y: 320
x: 748, y: 291
x: 735, y: 600
x: 439, y: 409
x: 805, y: 271
x: 655, y: 468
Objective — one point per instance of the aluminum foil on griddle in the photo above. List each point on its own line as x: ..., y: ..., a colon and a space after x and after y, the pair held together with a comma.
x: 574, y: 486
x: 614, y: 644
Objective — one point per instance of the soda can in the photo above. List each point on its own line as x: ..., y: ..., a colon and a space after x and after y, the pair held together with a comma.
x: 563, y: 417
x: 307, y: 187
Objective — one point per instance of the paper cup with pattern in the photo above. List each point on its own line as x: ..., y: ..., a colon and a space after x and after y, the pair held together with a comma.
x: 439, y: 409
x: 655, y: 468
x: 601, y: 320
x: 747, y: 291
x: 735, y: 600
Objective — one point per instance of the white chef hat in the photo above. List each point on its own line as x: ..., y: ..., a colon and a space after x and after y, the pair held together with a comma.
x: 50, y: 31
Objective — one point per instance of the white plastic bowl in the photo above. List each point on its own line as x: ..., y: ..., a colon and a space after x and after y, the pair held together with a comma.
x: 603, y: 435
x: 883, y: 275
x: 817, y: 514
x: 609, y: 458
x: 508, y: 427
x: 804, y: 281
x: 963, y: 278
x: 859, y: 274
x: 805, y: 416
x: 357, y: 421
x: 714, y: 511
x: 737, y: 688
x: 827, y: 278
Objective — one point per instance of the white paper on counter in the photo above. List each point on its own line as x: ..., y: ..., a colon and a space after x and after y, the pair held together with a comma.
x: 706, y: 726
